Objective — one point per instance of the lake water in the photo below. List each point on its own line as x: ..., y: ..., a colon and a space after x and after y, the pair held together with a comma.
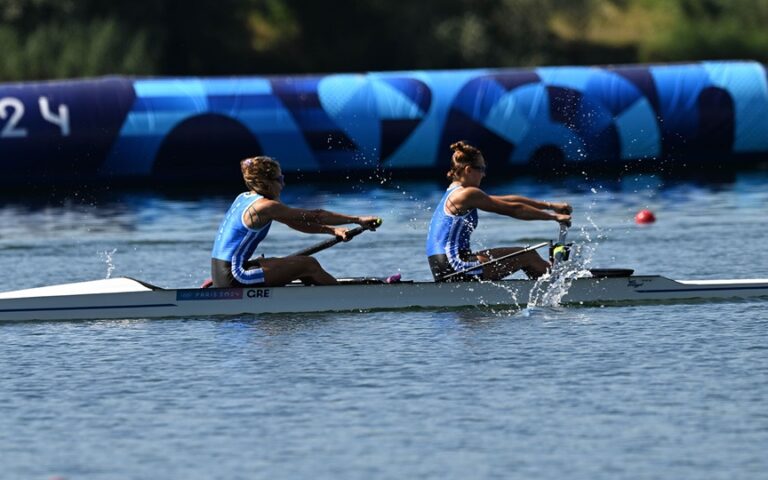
x: 655, y: 391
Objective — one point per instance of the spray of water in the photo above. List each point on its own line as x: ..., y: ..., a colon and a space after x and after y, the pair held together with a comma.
x: 108, y: 256
x: 550, y: 288
x: 514, y: 305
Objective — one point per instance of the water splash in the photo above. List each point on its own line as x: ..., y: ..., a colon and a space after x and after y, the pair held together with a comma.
x: 108, y: 256
x: 512, y: 308
x: 550, y: 288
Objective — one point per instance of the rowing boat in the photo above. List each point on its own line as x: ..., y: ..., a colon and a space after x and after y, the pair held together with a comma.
x: 123, y: 298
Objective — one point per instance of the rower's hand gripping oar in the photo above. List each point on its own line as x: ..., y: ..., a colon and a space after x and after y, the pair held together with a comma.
x: 329, y: 243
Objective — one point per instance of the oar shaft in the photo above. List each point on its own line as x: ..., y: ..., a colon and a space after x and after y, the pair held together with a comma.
x: 328, y: 243
x: 333, y: 241
x: 495, y: 260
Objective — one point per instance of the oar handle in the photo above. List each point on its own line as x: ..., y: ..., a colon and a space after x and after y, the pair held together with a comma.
x: 333, y: 241
x: 560, y: 251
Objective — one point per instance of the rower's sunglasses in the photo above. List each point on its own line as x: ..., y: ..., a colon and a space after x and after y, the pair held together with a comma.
x: 479, y: 168
x: 280, y: 179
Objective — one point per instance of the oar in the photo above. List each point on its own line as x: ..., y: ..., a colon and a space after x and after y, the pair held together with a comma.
x: 329, y: 243
x: 503, y: 257
x: 561, y: 251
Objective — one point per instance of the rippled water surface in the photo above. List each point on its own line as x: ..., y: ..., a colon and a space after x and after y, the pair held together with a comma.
x: 637, y: 392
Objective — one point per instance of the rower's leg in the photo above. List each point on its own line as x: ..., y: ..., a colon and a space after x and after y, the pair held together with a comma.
x: 531, y: 263
x: 279, y: 271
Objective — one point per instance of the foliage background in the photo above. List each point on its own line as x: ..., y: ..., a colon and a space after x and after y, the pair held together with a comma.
x: 45, y: 39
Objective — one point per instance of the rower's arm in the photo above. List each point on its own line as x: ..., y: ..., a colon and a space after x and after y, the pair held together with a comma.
x: 559, y: 207
x: 311, y: 221
x: 476, y: 198
x: 524, y: 200
x: 310, y: 227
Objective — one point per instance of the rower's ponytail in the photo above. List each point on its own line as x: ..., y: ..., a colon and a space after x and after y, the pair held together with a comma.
x: 463, y: 154
x: 258, y: 172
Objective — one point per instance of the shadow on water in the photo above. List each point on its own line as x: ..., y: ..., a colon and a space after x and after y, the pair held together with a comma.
x: 441, y: 319
x: 281, y: 324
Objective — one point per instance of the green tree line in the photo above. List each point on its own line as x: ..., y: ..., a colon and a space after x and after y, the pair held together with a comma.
x: 45, y: 39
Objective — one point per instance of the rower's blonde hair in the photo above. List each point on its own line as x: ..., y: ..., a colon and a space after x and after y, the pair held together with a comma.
x: 259, y: 172
x: 463, y: 154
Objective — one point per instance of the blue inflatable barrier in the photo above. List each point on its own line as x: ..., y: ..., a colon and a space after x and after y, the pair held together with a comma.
x: 696, y: 116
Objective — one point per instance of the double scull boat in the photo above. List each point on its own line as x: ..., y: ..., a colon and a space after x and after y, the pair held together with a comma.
x: 123, y: 298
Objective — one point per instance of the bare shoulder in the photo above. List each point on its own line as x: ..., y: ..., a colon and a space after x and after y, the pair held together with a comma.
x: 472, y: 191
x: 265, y: 203
x: 276, y: 210
x: 264, y: 207
x: 469, y: 196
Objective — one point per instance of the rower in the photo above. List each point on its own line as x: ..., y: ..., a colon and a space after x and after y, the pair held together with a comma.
x: 455, y: 218
x: 248, y: 221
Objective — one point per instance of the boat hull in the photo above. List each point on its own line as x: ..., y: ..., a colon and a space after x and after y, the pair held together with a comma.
x: 152, y: 302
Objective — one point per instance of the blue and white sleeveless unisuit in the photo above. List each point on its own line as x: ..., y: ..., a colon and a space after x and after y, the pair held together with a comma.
x: 448, y: 246
x: 235, y: 244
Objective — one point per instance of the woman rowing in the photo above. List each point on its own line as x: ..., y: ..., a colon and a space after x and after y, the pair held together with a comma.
x: 247, y: 223
x: 455, y: 218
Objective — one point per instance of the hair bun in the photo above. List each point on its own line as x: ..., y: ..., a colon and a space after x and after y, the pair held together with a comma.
x: 463, y: 154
